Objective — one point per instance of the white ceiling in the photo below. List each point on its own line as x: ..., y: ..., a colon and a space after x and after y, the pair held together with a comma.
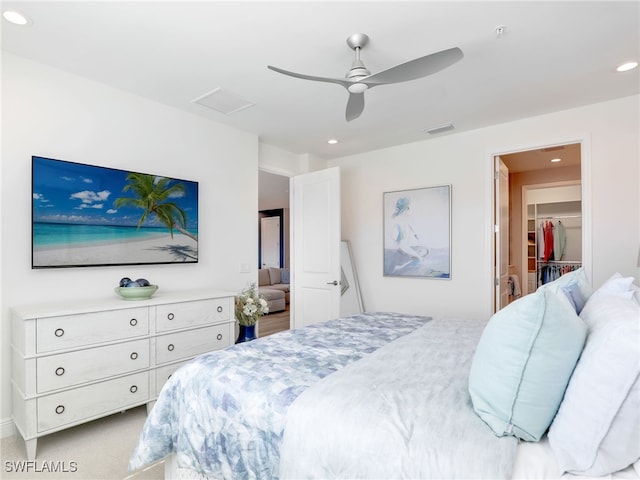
x: 552, y: 56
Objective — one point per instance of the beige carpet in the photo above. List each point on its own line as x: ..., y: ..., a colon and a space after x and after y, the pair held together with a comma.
x: 95, y: 450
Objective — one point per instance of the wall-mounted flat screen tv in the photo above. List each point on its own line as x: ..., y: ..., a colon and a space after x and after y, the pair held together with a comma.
x: 85, y: 215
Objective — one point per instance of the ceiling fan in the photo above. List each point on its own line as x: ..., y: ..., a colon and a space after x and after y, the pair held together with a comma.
x: 358, y: 79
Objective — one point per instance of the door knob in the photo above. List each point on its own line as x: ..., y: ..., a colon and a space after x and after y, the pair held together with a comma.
x: 335, y: 282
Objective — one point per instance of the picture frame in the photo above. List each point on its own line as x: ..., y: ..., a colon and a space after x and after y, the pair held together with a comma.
x: 417, y: 233
x: 87, y: 215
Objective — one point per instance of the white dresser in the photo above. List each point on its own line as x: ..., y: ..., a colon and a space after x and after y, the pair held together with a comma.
x: 79, y: 361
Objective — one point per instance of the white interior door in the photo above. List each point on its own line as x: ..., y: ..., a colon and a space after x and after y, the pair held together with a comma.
x: 315, y: 232
x: 270, y: 242
x: 501, y: 234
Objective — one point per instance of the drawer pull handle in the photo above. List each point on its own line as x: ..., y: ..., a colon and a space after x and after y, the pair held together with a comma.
x: 219, y: 336
x: 59, y: 332
x: 59, y: 371
x: 133, y: 322
x: 60, y: 409
x: 219, y: 308
x: 170, y: 347
x: 133, y: 355
x: 133, y: 389
x: 171, y: 316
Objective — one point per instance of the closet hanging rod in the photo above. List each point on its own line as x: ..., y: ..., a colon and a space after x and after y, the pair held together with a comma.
x: 559, y: 216
x: 568, y: 262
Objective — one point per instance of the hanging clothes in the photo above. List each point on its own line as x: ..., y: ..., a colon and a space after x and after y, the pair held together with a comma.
x: 550, y: 272
x: 559, y: 241
x: 548, y: 241
x: 540, y: 237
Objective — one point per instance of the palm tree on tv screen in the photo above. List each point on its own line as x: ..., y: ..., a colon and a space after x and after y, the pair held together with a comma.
x: 153, y: 194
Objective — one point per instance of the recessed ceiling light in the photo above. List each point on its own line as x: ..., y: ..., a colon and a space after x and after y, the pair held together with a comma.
x: 625, y: 67
x: 556, y: 160
x: 16, y: 18
x: 333, y: 141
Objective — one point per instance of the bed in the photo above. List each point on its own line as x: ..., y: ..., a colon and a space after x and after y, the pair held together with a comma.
x: 390, y: 395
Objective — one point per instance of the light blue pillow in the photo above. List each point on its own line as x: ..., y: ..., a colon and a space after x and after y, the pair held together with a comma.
x: 575, y: 296
x: 523, y: 363
x: 575, y: 286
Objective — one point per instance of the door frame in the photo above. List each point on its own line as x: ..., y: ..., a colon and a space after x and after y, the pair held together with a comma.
x: 585, y: 174
x: 501, y: 269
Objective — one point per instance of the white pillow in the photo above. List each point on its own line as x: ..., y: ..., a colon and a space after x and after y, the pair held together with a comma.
x: 523, y: 363
x: 597, y: 428
x: 617, y: 285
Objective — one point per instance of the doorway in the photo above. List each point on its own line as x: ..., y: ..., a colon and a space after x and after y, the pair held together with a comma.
x: 531, y: 168
x: 273, y: 229
x: 273, y: 200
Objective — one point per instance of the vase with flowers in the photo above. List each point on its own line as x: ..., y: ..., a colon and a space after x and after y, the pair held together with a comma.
x: 250, y: 306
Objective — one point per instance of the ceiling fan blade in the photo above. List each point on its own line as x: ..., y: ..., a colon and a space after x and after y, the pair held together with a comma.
x: 355, y: 106
x: 339, y: 81
x: 414, y: 69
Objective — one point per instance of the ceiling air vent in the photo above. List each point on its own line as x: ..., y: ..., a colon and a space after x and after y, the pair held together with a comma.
x: 223, y: 101
x: 445, y: 127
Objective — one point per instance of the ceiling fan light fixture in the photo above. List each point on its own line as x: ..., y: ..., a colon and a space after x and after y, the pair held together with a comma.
x: 358, y: 87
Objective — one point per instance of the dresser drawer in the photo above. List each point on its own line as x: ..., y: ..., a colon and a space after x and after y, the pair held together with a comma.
x: 192, y: 342
x: 164, y: 373
x: 191, y: 314
x: 91, y: 401
x: 69, y: 331
x: 74, y: 368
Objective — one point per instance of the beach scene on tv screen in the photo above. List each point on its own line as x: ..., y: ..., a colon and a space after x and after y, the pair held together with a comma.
x: 87, y: 215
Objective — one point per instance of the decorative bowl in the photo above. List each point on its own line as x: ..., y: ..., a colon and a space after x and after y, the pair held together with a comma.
x: 136, y: 293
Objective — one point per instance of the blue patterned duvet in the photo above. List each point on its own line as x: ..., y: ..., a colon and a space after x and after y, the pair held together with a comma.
x: 224, y: 413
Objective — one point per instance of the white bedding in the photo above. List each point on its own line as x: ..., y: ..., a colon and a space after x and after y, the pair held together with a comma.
x: 428, y: 429
x: 404, y: 411
x: 535, y: 461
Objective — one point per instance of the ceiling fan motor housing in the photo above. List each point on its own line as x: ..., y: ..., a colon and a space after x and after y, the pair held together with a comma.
x: 357, y: 70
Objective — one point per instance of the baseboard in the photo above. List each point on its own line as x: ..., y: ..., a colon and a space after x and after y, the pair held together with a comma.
x: 7, y: 428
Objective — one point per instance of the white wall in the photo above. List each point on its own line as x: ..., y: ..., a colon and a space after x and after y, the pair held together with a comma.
x: 281, y: 162
x: 275, y: 160
x: 54, y: 114
x: 463, y: 160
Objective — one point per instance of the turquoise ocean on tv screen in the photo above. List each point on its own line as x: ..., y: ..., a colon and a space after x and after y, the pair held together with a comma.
x: 55, y: 234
